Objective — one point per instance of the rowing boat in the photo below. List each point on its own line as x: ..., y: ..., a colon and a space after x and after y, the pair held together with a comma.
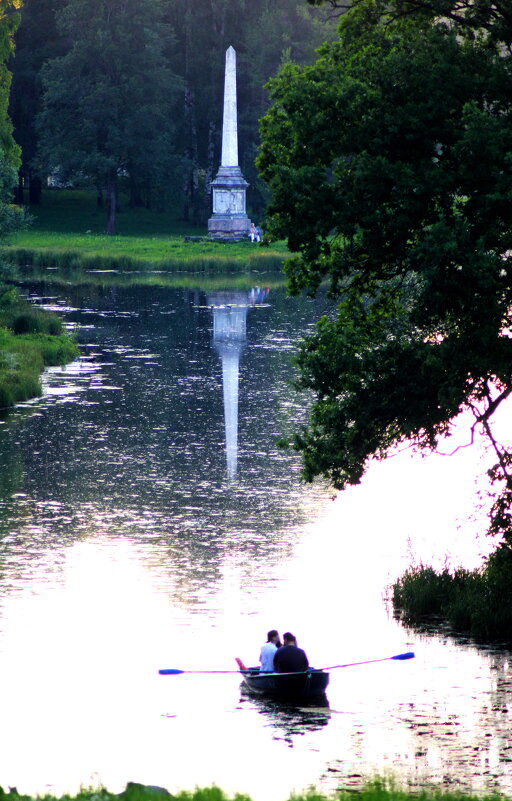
x: 290, y: 686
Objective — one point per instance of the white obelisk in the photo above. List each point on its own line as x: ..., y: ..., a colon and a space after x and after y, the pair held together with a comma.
x: 230, y: 118
x: 229, y: 220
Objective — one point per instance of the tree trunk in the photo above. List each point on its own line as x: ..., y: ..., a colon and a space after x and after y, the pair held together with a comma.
x: 111, y: 193
x: 190, y: 152
x: 136, y: 199
x: 210, y: 166
x: 34, y: 189
x: 18, y: 192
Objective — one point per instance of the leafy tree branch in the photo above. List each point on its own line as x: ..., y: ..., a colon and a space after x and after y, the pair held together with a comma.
x: 388, y: 163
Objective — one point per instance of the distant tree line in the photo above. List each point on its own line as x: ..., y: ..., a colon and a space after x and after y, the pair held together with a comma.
x: 128, y: 93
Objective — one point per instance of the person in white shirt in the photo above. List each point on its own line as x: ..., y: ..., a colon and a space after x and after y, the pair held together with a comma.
x: 268, y: 652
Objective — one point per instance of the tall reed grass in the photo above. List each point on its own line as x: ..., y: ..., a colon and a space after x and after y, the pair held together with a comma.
x: 475, y: 602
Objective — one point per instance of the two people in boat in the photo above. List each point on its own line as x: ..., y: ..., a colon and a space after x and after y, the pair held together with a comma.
x: 285, y: 658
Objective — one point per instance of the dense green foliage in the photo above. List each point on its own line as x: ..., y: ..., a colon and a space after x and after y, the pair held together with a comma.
x: 9, y: 21
x: 10, y: 217
x: 389, y: 165
x: 172, y: 140
x: 109, y: 101
x: 476, y: 602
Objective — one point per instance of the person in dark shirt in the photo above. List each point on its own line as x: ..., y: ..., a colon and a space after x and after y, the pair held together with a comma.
x: 289, y: 658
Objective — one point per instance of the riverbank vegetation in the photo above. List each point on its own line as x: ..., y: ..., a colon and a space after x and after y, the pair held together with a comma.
x: 474, y: 602
x: 373, y: 791
x: 30, y: 340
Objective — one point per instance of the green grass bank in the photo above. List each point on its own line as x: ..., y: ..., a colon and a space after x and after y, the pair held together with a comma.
x: 66, y: 232
x: 474, y: 602
x: 30, y: 340
x: 373, y: 791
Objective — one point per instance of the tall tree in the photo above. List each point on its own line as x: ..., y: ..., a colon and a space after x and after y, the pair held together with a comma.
x: 37, y: 40
x: 10, y: 218
x: 109, y: 103
x: 9, y: 21
x: 389, y: 166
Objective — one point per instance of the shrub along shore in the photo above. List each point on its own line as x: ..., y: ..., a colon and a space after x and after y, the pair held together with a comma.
x: 374, y: 791
x: 475, y: 602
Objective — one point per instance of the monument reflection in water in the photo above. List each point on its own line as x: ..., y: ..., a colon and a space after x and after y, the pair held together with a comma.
x: 229, y: 340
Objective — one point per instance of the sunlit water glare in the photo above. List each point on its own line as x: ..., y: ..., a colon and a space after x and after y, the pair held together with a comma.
x: 129, y: 543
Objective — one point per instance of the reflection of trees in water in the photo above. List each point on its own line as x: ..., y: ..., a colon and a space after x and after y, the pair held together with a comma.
x: 138, y: 452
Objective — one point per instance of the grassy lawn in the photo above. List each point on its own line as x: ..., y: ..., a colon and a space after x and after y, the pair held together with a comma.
x: 66, y: 231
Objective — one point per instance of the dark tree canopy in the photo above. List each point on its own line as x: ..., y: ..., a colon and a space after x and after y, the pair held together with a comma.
x: 493, y: 17
x: 389, y: 164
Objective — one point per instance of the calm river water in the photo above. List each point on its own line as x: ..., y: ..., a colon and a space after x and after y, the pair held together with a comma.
x: 147, y: 520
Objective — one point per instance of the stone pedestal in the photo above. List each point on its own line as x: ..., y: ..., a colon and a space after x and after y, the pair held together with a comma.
x: 229, y: 220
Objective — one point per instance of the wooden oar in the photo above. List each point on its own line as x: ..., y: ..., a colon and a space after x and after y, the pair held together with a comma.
x: 178, y: 672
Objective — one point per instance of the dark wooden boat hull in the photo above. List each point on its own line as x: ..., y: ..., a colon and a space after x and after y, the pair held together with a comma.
x: 289, y: 686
